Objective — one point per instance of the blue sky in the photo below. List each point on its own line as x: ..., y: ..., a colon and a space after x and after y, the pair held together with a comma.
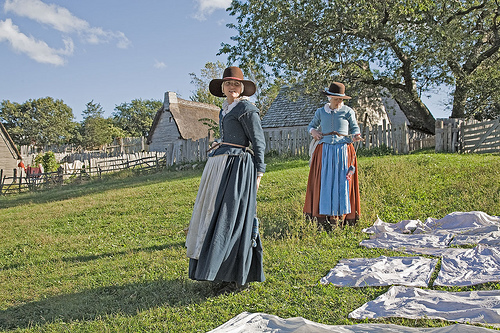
x: 111, y: 51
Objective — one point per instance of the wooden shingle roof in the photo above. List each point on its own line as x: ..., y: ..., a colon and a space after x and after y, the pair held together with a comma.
x: 289, y: 110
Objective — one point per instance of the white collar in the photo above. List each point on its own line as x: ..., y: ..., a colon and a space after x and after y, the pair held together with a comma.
x: 226, y: 107
x: 329, y: 111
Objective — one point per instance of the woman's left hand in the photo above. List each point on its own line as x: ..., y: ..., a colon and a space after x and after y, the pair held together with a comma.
x: 357, y: 137
x: 258, y: 181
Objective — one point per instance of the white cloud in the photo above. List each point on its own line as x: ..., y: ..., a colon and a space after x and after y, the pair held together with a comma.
x: 207, y: 7
x: 160, y: 64
x: 35, y: 49
x: 63, y: 20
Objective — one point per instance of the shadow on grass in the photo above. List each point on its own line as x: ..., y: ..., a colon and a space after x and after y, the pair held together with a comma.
x: 119, y: 180
x: 88, y: 258
x: 126, y: 300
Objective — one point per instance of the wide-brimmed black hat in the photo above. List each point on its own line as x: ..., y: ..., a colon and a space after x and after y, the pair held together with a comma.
x: 336, y: 89
x: 232, y: 73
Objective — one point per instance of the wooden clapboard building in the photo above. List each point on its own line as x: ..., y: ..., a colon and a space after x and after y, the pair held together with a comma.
x: 9, y: 155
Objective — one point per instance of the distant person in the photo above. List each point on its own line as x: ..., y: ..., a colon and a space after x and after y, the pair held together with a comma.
x: 332, y: 195
x: 221, y: 241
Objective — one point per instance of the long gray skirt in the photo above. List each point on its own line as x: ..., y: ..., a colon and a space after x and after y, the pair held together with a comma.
x: 226, y: 252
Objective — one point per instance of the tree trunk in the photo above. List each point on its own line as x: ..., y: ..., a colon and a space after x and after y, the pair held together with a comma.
x: 459, y: 100
x: 416, y: 112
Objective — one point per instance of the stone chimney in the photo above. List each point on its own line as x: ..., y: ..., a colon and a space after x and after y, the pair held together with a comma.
x: 170, y: 98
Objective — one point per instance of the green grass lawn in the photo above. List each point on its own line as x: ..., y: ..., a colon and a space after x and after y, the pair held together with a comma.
x: 109, y: 256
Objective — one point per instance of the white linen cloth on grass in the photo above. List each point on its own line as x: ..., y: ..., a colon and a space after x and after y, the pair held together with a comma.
x: 456, y: 222
x: 396, y: 241
x: 459, y: 222
x: 468, y: 267
x: 476, y: 307
x: 381, y: 271
x: 265, y: 323
x: 413, y: 236
x: 402, y: 227
x: 488, y: 235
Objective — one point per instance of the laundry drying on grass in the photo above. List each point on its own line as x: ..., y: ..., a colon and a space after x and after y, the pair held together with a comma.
x: 266, y: 323
x: 381, y: 271
x: 475, y: 307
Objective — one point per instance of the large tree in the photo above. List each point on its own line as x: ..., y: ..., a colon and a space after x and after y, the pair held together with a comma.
x: 469, y: 40
x: 42, y: 121
x: 396, y: 44
x: 136, y: 117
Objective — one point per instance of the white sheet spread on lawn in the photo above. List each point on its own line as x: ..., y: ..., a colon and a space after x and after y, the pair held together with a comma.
x: 460, y: 267
x: 381, y: 271
x: 456, y: 223
x: 402, y: 227
x: 265, y: 323
x: 458, y: 228
x: 397, y: 241
x: 476, y: 307
x: 467, y: 267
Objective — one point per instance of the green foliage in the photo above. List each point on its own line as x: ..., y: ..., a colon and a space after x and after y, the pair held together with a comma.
x: 377, y: 151
x: 109, y: 256
x: 135, y: 118
x: 48, y: 161
x: 483, y: 101
x: 96, y: 130
x: 208, y: 73
x: 409, y: 47
x: 42, y: 121
x: 212, y: 126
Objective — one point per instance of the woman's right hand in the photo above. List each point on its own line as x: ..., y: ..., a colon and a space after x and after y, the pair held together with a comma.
x: 316, y: 134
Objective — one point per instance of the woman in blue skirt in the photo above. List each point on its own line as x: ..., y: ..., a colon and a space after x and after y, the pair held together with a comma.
x: 332, y: 193
x: 220, y: 242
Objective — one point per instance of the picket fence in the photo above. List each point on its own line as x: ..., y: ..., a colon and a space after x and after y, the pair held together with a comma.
x: 70, y: 152
x: 401, y: 139
x: 481, y: 137
x: 452, y: 135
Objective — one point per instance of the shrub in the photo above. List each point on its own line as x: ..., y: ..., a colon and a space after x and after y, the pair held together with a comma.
x: 48, y: 161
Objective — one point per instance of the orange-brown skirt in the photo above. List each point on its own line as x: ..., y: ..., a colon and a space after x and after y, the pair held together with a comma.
x: 311, y: 205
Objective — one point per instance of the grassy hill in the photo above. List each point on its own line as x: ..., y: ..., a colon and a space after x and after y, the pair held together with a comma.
x: 109, y: 256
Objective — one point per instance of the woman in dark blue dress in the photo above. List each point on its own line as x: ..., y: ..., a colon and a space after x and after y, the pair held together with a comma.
x: 219, y: 240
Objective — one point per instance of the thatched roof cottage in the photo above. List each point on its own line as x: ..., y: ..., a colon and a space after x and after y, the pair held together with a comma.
x: 179, y: 119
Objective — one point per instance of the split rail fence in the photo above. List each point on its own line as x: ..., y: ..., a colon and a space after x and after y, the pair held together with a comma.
x: 85, y: 166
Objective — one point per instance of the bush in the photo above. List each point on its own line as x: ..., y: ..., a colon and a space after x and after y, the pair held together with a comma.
x: 48, y: 161
x: 377, y: 151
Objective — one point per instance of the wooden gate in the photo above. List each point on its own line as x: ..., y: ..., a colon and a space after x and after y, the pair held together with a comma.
x: 481, y: 137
